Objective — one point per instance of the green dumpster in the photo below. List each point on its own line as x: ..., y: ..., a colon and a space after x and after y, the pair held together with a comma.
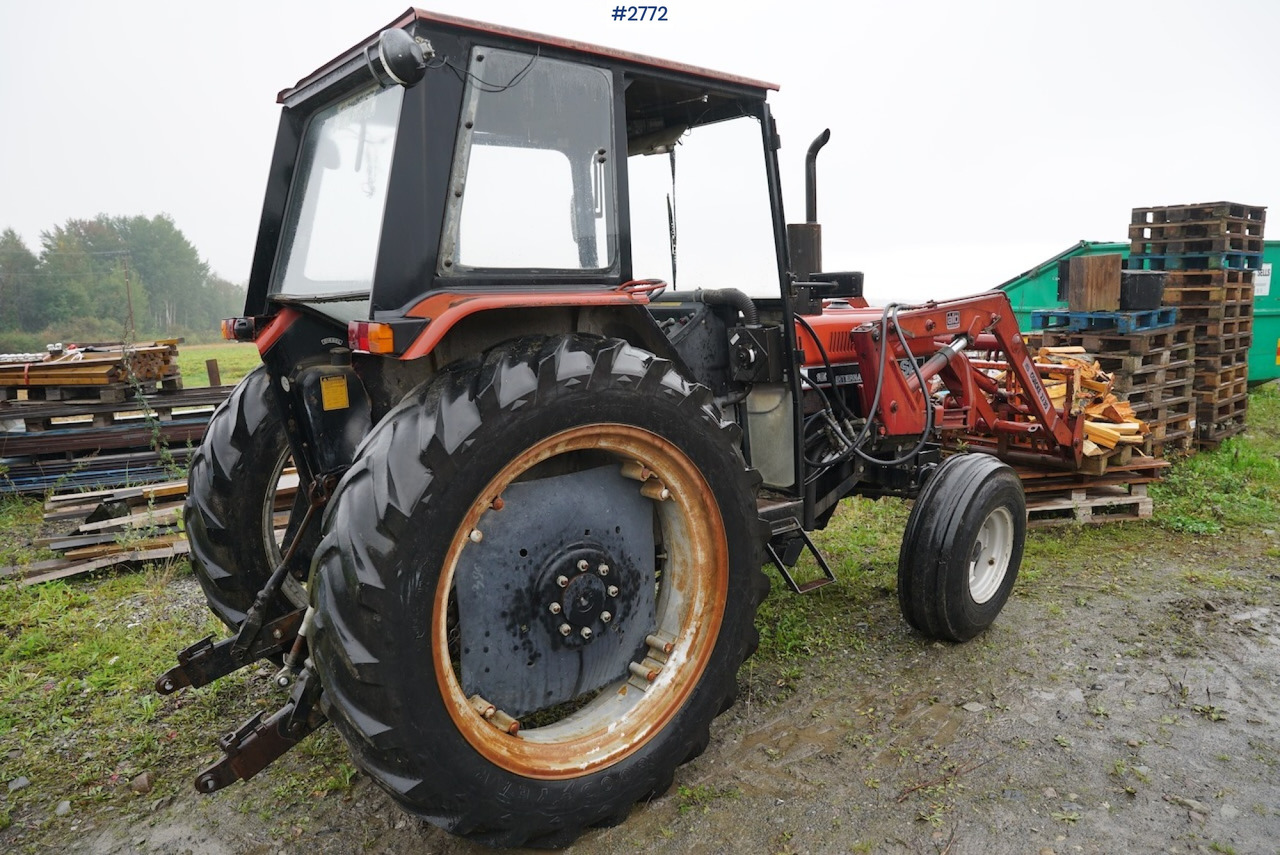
x: 1264, y: 353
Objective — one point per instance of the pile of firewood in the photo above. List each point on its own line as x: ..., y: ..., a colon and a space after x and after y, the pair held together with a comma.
x: 1110, y: 426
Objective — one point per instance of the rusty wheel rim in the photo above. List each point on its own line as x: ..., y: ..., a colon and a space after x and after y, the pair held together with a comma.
x: 622, y: 718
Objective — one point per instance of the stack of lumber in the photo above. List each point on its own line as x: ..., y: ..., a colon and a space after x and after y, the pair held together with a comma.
x: 104, y: 371
x: 1209, y: 252
x: 1113, y: 432
x: 94, y: 443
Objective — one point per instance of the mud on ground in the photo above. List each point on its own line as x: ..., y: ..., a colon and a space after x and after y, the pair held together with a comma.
x: 1126, y: 702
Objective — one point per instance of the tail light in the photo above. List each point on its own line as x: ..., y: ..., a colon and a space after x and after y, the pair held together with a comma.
x: 370, y: 337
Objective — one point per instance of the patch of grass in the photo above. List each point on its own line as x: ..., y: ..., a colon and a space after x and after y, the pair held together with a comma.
x: 235, y: 359
x: 701, y: 796
x: 81, y: 718
x: 19, y: 519
x: 1236, y: 486
x: 861, y: 545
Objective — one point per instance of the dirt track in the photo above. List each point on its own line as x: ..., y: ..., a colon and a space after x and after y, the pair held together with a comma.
x: 1130, y: 707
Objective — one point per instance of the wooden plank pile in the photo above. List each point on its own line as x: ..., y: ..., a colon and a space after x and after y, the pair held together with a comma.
x: 108, y: 372
x: 121, y: 527
x: 1209, y: 252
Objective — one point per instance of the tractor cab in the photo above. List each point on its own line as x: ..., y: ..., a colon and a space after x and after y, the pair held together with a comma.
x: 448, y: 155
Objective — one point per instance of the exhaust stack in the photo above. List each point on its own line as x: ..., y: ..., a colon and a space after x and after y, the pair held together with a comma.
x: 805, y: 239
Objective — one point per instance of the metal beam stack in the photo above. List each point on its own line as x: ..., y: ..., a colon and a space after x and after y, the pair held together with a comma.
x: 1208, y: 252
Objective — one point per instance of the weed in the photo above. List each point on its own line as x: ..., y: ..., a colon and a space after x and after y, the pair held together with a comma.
x: 1068, y: 816
x: 1225, y: 848
x: 701, y: 796
x: 1209, y: 711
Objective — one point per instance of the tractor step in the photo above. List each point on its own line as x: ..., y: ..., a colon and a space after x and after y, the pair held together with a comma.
x: 793, y: 540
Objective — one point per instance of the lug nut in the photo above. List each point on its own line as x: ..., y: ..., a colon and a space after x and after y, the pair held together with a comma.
x: 612, y: 590
x: 603, y: 569
x: 554, y: 608
x: 562, y: 581
x: 583, y: 564
x: 168, y: 686
x: 277, y: 633
x: 586, y: 633
x: 565, y: 629
x: 606, y: 616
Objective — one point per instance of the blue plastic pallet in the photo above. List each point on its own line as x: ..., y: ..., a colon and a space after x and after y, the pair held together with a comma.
x: 1122, y: 323
x: 1197, y: 261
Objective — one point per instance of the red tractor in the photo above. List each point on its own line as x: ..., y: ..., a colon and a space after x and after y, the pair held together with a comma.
x: 519, y: 562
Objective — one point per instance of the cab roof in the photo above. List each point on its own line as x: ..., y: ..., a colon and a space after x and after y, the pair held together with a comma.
x: 467, y: 26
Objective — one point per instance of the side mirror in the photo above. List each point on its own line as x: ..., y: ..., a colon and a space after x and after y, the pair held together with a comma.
x: 398, y: 58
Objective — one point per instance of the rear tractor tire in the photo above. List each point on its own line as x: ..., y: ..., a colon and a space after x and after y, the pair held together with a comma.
x: 230, y: 509
x: 962, y: 547
x: 535, y: 587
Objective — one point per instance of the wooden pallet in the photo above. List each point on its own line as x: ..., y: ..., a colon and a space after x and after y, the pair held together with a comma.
x: 1214, y: 416
x: 1199, y: 212
x: 1208, y: 279
x: 1145, y: 399
x: 1086, y: 505
x: 1120, y: 323
x: 1219, y: 361
x: 1207, y: 332
x: 1154, y: 376
x: 1214, y: 439
x: 1221, y: 378
x: 1191, y: 229
x: 1196, y: 261
x: 1190, y: 245
x: 1104, y: 342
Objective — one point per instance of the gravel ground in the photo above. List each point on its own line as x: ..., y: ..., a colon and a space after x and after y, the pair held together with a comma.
x: 1128, y: 708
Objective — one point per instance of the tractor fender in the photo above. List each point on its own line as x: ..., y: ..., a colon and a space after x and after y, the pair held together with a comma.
x: 463, y: 325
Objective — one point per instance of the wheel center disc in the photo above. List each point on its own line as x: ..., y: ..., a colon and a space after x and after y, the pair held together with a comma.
x: 584, y: 599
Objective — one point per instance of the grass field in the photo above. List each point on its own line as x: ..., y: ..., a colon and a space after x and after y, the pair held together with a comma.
x: 235, y: 360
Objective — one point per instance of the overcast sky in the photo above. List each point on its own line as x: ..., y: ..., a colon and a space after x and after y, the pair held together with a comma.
x: 970, y: 140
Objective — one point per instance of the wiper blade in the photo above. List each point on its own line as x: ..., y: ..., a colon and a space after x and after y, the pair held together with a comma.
x: 340, y: 297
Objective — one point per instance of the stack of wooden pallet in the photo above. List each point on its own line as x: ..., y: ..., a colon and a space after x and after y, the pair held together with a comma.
x: 106, y: 372
x: 1209, y: 252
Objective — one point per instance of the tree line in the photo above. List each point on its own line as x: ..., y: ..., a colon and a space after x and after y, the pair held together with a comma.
x: 109, y: 278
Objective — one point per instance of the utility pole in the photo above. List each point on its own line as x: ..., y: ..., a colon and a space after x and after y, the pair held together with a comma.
x: 129, y: 332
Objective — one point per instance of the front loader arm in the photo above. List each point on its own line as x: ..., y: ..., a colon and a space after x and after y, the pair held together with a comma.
x: 936, y: 336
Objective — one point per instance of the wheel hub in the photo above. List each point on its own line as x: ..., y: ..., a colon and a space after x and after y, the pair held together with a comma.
x: 579, y: 593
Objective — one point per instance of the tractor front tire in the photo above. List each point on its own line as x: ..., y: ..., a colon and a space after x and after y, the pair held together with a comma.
x: 563, y: 720
x: 962, y: 547
x: 230, y: 505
